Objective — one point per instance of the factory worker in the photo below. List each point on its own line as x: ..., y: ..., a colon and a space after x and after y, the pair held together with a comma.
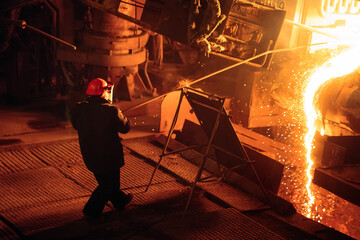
x: 98, y: 123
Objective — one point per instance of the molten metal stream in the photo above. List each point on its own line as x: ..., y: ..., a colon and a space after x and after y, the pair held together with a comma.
x: 340, y: 65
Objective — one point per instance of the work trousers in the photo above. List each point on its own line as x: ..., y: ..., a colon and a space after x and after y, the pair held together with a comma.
x: 108, y: 189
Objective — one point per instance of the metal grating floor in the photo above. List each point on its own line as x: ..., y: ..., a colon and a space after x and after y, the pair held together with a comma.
x: 38, y: 186
x: 18, y: 160
x: 222, y: 224
x: 233, y: 196
x: 6, y: 233
x: 46, y: 185
x: 175, y: 163
x: 186, y: 170
x: 46, y: 215
x: 49, y: 185
x: 64, y: 153
x: 137, y: 173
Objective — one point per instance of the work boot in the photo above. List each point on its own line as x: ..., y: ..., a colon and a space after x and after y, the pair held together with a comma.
x: 128, y: 199
x: 118, y: 212
x: 125, y: 202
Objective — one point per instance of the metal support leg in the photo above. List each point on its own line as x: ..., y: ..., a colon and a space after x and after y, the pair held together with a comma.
x: 197, y: 178
x: 167, y: 139
x: 215, y: 128
x: 254, y: 171
x: 202, y: 164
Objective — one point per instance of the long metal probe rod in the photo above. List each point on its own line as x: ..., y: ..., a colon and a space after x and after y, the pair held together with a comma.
x: 311, y: 29
x: 223, y: 70
x: 24, y: 25
x: 248, y: 60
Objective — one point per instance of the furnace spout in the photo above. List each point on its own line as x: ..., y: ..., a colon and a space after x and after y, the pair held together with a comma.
x: 339, y: 105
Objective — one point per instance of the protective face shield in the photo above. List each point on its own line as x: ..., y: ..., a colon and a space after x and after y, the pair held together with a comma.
x: 108, y: 93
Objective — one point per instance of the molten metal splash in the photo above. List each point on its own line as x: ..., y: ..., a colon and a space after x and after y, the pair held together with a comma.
x: 342, y: 64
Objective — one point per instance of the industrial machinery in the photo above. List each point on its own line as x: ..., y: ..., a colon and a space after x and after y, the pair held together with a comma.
x: 146, y: 45
x: 111, y: 35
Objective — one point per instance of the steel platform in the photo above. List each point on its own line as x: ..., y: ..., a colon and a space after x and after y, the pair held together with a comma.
x: 43, y: 188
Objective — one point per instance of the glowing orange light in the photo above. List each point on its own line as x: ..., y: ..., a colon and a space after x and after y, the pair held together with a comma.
x: 184, y: 83
x: 342, y: 64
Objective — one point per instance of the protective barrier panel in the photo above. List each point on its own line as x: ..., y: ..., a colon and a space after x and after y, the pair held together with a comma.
x: 225, y: 145
x: 225, y: 139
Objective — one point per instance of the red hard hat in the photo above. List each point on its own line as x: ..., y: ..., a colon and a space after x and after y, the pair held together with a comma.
x: 97, y: 86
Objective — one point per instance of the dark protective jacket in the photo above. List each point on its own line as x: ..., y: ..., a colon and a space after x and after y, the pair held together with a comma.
x: 98, y: 123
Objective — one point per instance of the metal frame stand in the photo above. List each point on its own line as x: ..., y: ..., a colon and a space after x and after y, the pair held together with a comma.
x: 208, y: 147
